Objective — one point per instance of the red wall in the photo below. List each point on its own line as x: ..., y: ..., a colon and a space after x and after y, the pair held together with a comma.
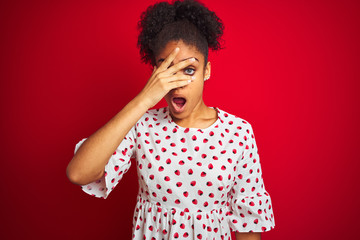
x: 291, y: 68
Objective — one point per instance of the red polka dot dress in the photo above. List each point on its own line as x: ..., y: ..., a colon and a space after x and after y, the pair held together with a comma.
x: 193, y: 183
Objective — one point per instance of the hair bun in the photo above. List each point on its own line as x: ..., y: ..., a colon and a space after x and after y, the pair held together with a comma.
x: 157, y: 16
x: 205, y: 20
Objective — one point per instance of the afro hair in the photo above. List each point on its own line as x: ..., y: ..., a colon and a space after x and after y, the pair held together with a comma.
x: 187, y: 20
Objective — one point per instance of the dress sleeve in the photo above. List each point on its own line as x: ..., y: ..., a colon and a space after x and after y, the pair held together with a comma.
x: 118, y: 164
x: 250, y: 208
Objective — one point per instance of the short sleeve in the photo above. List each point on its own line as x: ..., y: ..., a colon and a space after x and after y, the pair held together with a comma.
x: 118, y: 164
x: 250, y: 207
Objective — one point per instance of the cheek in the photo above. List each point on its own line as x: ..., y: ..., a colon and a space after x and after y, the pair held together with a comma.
x: 195, y: 89
x: 167, y: 97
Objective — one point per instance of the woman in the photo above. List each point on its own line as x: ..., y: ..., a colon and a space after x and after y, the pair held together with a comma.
x: 198, y: 166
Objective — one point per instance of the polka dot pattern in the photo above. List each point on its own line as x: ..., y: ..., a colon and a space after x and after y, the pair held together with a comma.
x: 193, y: 183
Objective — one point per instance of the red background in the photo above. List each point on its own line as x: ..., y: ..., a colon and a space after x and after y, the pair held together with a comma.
x: 289, y: 67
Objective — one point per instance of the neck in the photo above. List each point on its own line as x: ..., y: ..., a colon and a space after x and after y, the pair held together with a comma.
x: 200, y: 114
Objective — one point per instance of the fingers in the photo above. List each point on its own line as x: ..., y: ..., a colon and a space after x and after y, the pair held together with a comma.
x: 168, y: 60
x: 165, y: 65
x: 176, y: 81
x: 179, y: 83
x: 177, y: 77
x: 177, y: 67
x: 180, y: 65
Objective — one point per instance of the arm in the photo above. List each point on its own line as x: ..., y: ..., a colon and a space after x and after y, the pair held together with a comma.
x: 89, y: 161
x: 91, y: 158
x: 248, y: 235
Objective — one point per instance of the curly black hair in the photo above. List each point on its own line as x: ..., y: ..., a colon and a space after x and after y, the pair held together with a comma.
x: 187, y: 20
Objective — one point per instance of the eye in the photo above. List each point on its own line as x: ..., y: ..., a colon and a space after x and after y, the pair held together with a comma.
x: 189, y: 71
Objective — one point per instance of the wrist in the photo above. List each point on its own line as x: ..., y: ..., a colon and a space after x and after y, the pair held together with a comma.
x: 142, y: 102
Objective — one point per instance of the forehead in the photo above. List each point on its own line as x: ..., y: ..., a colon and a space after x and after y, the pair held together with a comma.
x: 186, y: 51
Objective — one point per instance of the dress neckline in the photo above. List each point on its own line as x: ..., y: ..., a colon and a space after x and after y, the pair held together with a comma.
x: 214, y: 125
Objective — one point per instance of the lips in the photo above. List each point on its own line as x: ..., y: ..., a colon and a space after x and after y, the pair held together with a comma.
x: 178, y: 103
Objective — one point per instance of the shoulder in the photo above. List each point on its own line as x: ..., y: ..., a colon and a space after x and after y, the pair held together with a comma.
x: 156, y: 114
x: 152, y: 117
x: 237, y: 125
x: 233, y: 119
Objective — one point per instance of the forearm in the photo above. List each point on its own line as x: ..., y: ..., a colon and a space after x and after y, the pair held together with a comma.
x: 248, y: 236
x: 89, y: 161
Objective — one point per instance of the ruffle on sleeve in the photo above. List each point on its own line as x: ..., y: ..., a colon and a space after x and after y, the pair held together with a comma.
x: 118, y: 164
x: 250, y: 207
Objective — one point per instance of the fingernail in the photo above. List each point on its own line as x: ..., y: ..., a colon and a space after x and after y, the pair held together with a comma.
x: 189, y: 81
x: 177, y: 49
x: 193, y: 77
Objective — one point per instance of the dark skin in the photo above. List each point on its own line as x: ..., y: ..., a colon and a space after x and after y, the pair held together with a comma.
x: 248, y: 236
x: 172, y: 75
x: 89, y: 162
x: 196, y: 113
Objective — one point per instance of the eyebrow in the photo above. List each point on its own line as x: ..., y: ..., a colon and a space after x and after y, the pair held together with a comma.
x: 162, y: 59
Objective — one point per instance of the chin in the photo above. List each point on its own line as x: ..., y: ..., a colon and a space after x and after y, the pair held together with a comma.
x: 179, y: 112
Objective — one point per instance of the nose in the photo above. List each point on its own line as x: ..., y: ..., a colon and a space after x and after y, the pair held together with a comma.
x: 179, y: 88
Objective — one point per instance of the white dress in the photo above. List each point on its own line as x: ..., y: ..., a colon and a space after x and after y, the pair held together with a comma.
x: 193, y: 183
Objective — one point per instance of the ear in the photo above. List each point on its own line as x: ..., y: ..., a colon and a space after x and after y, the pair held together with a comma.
x: 207, y: 71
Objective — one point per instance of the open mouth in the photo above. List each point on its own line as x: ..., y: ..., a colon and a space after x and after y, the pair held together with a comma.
x: 178, y: 103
